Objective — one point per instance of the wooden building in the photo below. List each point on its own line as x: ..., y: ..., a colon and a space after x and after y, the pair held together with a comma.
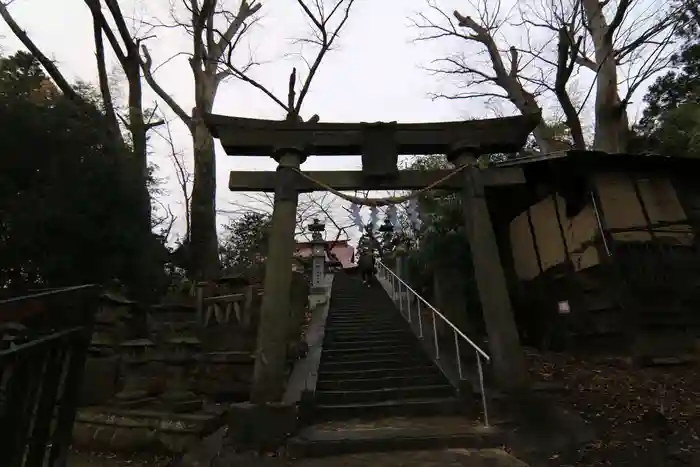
x: 343, y: 251
x: 601, y: 251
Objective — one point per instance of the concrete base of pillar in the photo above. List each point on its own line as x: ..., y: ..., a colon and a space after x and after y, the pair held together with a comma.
x: 318, y: 290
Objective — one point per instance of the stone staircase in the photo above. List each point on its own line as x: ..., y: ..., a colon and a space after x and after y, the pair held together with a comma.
x: 372, y: 363
x: 377, y: 389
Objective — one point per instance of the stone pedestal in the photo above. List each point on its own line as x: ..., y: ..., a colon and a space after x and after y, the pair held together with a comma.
x: 400, y: 259
x: 138, y: 382
x: 180, y: 355
x: 101, y: 372
x: 114, y: 323
x: 299, y: 301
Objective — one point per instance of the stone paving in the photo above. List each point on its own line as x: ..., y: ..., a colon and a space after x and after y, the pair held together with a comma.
x: 94, y: 459
x: 439, y: 424
x: 445, y: 458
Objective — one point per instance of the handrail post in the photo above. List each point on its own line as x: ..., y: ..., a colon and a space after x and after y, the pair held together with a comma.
x: 437, y: 346
x: 459, y: 358
x: 483, y: 391
x: 420, y: 321
x: 400, y: 298
x: 396, y: 285
x: 408, y: 305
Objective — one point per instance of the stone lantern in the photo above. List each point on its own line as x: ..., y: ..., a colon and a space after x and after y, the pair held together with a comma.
x: 318, y: 257
x: 386, y: 226
x: 386, y: 229
x: 400, y: 253
x: 181, y: 358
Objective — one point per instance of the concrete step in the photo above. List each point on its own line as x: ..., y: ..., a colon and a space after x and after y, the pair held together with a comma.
x: 367, y: 334
x: 383, y: 394
x: 426, y: 368
x: 388, y: 343
x: 365, y: 364
x: 333, y: 356
x: 364, y: 437
x: 363, y: 319
x: 379, y: 382
x: 334, y: 352
x: 362, y: 328
x: 397, y: 408
x: 363, y: 314
x: 358, y: 320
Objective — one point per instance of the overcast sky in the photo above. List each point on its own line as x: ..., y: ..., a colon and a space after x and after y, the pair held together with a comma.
x: 374, y: 74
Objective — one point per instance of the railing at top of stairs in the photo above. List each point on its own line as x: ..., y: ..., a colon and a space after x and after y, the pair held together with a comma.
x: 399, y: 288
x: 44, y: 340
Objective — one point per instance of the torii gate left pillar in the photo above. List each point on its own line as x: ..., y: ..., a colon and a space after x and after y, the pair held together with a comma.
x: 270, y: 356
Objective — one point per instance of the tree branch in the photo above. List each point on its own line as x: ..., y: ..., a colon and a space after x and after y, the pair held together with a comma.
x: 245, y: 11
x: 620, y: 13
x: 97, y: 21
x: 146, y: 65
x: 327, y: 42
x: 565, y: 65
x: 48, y: 65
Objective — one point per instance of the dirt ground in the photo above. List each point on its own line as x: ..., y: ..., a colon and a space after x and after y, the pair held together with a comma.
x: 642, y: 416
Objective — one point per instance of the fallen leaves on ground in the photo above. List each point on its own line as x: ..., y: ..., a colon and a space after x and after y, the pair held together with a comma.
x: 643, y: 416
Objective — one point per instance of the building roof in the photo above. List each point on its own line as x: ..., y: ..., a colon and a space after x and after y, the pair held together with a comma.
x: 340, y: 248
x: 598, y: 160
x: 566, y: 172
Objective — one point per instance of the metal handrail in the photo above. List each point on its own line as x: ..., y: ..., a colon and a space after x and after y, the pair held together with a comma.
x: 389, y: 275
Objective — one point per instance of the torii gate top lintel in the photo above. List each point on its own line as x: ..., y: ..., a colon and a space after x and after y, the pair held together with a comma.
x: 256, y: 137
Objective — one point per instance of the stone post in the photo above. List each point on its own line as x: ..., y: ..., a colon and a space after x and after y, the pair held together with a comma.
x: 269, y: 374
x: 504, y: 343
x: 318, y: 257
x: 401, y: 258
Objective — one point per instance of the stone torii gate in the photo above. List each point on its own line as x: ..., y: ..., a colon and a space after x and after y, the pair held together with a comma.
x: 290, y: 142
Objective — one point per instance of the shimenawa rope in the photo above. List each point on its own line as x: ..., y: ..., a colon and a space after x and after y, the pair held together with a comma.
x: 387, y: 201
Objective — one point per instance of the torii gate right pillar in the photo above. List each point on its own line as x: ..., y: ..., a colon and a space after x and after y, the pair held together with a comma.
x: 509, y: 366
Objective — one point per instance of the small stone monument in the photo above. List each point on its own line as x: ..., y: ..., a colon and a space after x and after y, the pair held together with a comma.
x: 318, y: 257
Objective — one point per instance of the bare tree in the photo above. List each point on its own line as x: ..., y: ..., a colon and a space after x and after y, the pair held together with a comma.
x: 503, y: 76
x: 623, y: 43
x: 326, y: 24
x: 317, y: 205
x: 125, y: 47
x: 212, y: 43
x: 183, y: 175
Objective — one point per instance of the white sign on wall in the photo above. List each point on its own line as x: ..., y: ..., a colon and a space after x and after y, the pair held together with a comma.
x: 564, y: 307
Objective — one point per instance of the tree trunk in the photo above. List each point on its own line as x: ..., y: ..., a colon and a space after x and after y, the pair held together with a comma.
x: 138, y: 129
x: 203, y: 238
x: 204, y: 242
x: 611, y: 121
